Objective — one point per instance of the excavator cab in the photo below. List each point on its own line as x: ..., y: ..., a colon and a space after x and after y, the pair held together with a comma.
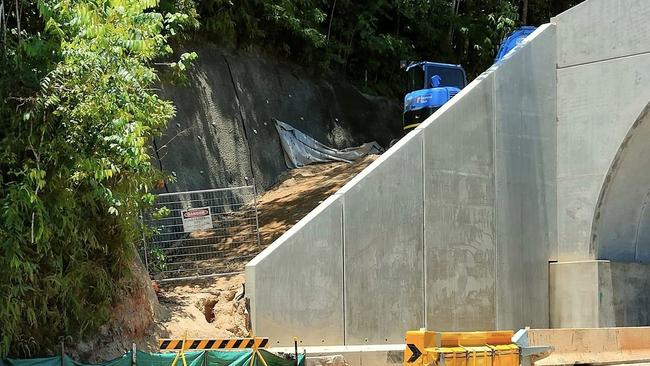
x: 429, y: 86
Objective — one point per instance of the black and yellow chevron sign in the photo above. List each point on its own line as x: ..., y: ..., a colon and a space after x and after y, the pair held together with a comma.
x: 223, y: 343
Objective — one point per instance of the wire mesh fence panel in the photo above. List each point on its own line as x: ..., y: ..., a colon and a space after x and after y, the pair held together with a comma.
x: 200, y: 233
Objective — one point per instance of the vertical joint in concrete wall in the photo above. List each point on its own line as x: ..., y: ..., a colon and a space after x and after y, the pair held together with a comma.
x: 424, y: 249
x: 343, y: 283
x: 495, y: 213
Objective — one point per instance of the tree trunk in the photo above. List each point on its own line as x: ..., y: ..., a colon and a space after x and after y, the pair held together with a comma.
x: 524, y: 12
x: 329, y: 26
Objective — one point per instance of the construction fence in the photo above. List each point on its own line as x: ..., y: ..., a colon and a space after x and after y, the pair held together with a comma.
x: 200, y: 233
x: 198, y: 358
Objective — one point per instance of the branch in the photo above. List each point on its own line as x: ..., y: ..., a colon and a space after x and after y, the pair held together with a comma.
x: 172, y: 139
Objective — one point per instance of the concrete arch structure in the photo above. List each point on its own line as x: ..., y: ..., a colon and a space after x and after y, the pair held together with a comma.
x: 614, y: 288
x: 597, y: 277
x: 621, y: 226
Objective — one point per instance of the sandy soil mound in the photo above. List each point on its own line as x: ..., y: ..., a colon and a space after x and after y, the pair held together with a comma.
x: 299, y: 192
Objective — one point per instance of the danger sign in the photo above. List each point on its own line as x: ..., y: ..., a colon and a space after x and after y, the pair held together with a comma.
x: 196, y: 219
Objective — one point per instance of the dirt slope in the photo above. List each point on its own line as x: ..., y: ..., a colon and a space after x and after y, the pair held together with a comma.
x: 215, y: 307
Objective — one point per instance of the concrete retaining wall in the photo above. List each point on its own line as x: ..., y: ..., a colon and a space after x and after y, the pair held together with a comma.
x: 525, y: 142
x: 383, y: 241
x: 543, y: 157
x: 459, y: 211
x: 443, y: 230
x: 490, y: 195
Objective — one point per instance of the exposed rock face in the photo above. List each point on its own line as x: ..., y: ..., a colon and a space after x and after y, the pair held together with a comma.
x: 224, y: 135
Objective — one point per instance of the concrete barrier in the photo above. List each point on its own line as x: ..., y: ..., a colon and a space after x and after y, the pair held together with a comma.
x: 525, y: 187
x: 605, y: 346
x: 362, y: 355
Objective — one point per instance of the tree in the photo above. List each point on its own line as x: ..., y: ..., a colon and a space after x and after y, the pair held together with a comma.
x: 77, y: 117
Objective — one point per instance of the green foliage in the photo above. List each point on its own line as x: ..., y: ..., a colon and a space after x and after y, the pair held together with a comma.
x: 157, y: 261
x: 76, y: 119
x: 365, y: 40
x: 161, y: 213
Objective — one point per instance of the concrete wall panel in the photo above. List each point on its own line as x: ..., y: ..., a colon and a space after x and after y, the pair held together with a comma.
x: 597, y: 105
x: 525, y: 107
x: 383, y: 247
x: 602, y: 29
x: 459, y: 211
x: 573, y: 290
x: 296, y: 284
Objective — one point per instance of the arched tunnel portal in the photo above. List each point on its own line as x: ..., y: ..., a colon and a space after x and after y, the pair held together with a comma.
x: 621, y: 225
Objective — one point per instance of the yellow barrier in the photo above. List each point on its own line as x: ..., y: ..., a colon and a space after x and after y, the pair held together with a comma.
x: 182, y: 345
x: 460, y: 348
x: 219, y: 343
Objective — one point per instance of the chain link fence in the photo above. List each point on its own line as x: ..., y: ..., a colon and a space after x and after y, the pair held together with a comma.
x: 200, y: 233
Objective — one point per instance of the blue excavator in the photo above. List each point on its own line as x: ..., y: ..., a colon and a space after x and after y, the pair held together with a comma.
x: 431, y: 84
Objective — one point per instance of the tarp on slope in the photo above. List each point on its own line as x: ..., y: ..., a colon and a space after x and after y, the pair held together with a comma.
x: 243, y: 358
x: 196, y: 358
x: 301, y: 149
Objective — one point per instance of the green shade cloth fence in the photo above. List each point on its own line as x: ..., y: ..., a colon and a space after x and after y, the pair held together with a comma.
x: 196, y: 358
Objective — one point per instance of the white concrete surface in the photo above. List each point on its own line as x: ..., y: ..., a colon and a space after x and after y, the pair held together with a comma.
x: 420, y: 237
x: 383, y: 259
x: 459, y: 211
x: 490, y: 195
x: 525, y: 171
x: 597, y: 105
x: 597, y: 30
x: 574, y: 294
